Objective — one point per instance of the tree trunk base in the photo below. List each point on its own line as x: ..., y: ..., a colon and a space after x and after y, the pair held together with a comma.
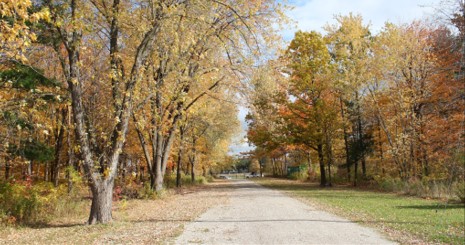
x: 100, y: 211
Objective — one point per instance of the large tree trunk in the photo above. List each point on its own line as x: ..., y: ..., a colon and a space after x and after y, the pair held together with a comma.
x: 102, y: 194
x: 322, y: 165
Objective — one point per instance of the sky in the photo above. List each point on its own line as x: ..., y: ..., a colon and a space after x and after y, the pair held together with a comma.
x: 310, y: 15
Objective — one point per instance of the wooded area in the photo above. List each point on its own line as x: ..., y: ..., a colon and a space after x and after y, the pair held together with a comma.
x: 129, y: 96
x: 384, y: 108
x: 106, y: 90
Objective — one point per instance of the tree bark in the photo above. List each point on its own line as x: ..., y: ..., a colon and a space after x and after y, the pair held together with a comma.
x: 322, y: 165
x: 58, y: 147
x: 192, y: 160
x: 7, y: 169
x: 346, y: 142
x: 360, y: 137
x: 100, y: 211
x: 180, y: 155
x: 70, y: 162
x: 30, y: 168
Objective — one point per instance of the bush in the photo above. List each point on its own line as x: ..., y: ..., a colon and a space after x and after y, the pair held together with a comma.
x: 391, y: 185
x: 459, y: 191
x: 146, y: 192
x: 186, y: 180
x: 301, y: 176
x: 23, y: 202
x: 425, y: 188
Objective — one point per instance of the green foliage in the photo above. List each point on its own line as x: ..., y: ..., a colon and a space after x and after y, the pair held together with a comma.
x: 37, y: 151
x: 26, y: 77
x: 146, y: 192
x: 300, y: 173
x: 13, y: 120
x: 33, y: 151
x: 301, y: 176
x: 186, y: 180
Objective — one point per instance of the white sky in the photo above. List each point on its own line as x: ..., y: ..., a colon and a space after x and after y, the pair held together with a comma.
x: 315, y: 14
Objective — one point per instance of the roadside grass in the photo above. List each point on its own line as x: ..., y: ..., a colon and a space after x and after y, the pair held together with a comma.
x: 136, y: 221
x: 405, y: 219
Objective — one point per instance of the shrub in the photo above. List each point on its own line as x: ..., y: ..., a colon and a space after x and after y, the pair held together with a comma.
x: 459, y: 191
x: 26, y: 203
x: 426, y: 188
x: 391, y: 185
x: 186, y: 180
x: 146, y: 192
x: 301, y: 176
x: 200, y: 180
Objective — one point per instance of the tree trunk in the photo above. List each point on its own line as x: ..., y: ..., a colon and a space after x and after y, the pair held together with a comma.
x: 346, y: 142
x: 322, y: 165
x: 192, y: 172
x: 285, y: 164
x: 329, y: 149
x: 46, y: 171
x: 70, y: 162
x: 360, y: 137
x: 7, y: 169
x: 193, y: 159
x: 309, y: 156
x: 30, y: 168
x: 58, y: 146
x: 180, y: 153
x: 102, y: 195
x: 355, y: 173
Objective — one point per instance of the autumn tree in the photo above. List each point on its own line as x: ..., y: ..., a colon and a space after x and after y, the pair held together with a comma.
x: 350, y: 44
x: 310, y: 114
x: 208, y: 46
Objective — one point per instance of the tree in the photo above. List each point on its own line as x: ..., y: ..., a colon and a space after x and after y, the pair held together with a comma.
x: 211, y: 45
x: 100, y: 147
x: 311, y: 117
x: 349, y: 43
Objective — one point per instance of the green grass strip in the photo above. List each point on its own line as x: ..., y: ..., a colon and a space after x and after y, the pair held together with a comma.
x: 430, y: 220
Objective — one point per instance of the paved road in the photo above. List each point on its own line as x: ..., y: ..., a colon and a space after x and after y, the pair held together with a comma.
x: 257, y: 215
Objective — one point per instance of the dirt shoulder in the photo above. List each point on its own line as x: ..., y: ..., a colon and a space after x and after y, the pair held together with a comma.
x: 135, y: 221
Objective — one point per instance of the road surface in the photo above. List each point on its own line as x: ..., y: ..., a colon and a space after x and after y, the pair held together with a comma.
x: 257, y: 215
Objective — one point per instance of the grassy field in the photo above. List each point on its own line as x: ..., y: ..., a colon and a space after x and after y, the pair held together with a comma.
x: 405, y: 219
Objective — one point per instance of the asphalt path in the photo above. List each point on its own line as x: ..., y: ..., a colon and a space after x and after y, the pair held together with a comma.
x: 257, y: 215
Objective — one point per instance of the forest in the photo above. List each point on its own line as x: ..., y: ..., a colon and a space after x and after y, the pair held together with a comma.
x: 116, y: 98
x: 351, y: 106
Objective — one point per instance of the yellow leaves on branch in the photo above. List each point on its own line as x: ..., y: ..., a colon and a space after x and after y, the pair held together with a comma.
x: 15, y: 34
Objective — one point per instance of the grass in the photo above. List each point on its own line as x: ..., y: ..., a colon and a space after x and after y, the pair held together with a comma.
x: 135, y: 221
x: 405, y: 219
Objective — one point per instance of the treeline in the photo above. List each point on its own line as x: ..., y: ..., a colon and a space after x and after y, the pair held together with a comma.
x: 125, y: 91
x: 353, y: 106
